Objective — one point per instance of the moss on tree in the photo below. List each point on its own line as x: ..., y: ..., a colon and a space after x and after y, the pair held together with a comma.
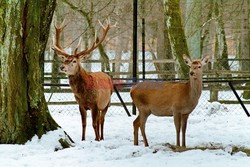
x: 24, y: 29
x: 176, y: 33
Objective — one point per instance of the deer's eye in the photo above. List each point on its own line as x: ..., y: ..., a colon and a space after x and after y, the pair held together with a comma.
x: 199, y: 66
x: 74, y: 61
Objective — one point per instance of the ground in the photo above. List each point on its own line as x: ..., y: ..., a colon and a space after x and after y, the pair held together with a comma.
x: 224, y: 131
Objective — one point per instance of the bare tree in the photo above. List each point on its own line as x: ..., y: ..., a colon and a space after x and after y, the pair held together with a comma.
x: 88, y: 15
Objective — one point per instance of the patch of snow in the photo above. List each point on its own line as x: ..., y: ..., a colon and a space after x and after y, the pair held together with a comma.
x: 118, y: 150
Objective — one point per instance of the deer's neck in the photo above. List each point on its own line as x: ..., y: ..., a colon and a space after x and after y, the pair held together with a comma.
x: 78, y: 81
x: 195, y: 88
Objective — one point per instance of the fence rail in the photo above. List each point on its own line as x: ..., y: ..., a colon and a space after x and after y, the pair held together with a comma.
x: 224, y: 94
x: 215, y: 88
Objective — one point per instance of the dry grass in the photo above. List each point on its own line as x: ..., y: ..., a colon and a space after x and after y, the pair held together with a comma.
x: 234, y: 150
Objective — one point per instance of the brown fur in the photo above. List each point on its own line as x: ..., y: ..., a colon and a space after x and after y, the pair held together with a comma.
x: 97, y: 100
x: 177, y: 99
x: 87, y: 87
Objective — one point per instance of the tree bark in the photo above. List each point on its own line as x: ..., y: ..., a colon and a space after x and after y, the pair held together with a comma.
x: 221, y: 44
x: 163, y: 44
x: 208, y: 32
x: 245, y: 43
x: 193, y: 27
x: 176, y: 33
x: 24, y: 30
x: 55, y: 73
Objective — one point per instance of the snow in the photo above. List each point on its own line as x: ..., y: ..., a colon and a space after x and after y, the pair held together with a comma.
x: 117, y: 149
x: 211, y: 124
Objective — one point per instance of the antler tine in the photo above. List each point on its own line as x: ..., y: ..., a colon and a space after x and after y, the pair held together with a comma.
x: 57, y: 49
x: 101, y: 24
x: 96, y: 44
x: 109, y: 21
x: 78, y: 45
x: 114, y: 25
x: 62, y: 25
x: 95, y: 36
x: 57, y: 44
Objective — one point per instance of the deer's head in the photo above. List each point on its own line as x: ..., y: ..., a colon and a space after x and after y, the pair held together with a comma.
x: 195, y: 66
x: 71, y: 63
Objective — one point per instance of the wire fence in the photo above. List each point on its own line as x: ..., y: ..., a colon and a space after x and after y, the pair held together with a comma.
x: 213, y: 101
x: 217, y: 97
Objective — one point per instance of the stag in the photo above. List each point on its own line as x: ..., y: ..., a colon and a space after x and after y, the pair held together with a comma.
x: 177, y: 99
x: 92, y: 90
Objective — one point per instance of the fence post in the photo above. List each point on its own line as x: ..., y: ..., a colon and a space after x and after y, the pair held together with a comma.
x: 134, y: 46
x: 120, y: 98
x: 143, y: 48
x: 238, y: 98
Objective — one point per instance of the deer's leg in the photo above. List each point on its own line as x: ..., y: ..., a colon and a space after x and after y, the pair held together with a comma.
x: 177, y: 123
x: 84, y: 122
x: 143, y: 118
x: 136, y: 125
x: 183, y: 127
x: 98, y: 124
x: 102, y: 119
x: 95, y: 117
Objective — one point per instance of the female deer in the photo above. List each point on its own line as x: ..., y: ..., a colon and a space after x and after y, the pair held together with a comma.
x: 177, y: 99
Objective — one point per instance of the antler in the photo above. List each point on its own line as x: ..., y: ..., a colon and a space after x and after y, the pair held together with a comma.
x: 95, y: 45
x: 78, y: 45
x: 57, y: 45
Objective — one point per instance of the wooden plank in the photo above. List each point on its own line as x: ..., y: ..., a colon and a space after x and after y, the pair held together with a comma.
x: 213, y: 73
x: 57, y: 90
x: 74, y: 103
x: 227, y: 72
x: 70, y: 91
x: 130, y: 103
x: 47, y: 90
x: 125, y: 61
x: 148, y: 60
x: 232, y: 102
x: 62, y: 103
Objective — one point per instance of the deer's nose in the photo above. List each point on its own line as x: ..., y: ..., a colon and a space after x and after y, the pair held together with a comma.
x: 191, y: 73
x: 61, y: 67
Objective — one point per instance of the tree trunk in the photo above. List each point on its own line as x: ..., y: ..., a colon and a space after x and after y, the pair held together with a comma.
x: 24, y: 30
x: 244, y: 37
x: 222, y: 52
x: 163, y: 44
x: 55, y: 73
x: 193, y: 27
x: 208, y: 32
x: 176, y: 33
x: 245, y: 43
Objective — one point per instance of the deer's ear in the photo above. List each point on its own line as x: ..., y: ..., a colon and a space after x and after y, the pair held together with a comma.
x: 187, y: 60
x: 205, y: 60
x: 61, y: 57
x: 84, y: 58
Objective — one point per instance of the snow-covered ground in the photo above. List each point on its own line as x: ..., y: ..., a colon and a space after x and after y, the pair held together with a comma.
x: 117, y: 149
x: 210, y: 125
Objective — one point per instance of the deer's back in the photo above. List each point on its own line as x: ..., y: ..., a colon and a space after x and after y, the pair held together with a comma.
x: 163, y: 100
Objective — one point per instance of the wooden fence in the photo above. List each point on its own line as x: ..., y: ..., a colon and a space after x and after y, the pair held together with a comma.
x: 214, y: 88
